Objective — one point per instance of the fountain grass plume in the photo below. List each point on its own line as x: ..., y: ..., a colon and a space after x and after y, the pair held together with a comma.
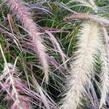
x: 82, y: 67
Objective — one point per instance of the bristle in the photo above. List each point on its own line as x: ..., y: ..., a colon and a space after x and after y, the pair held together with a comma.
x: 18, y: 95
x: 104, y: 78
x: 105, y: 70
x: 14, y: 95
x: 82, y: 67
x: 56, y: 45
x: 86, y: 16
x: 23, y: 14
